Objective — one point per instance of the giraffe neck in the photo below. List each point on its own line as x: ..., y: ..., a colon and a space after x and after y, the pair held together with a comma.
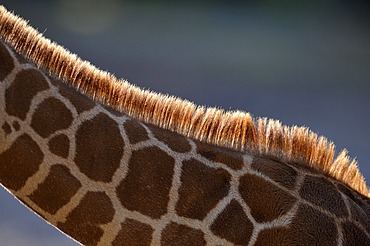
x: 105, y: 178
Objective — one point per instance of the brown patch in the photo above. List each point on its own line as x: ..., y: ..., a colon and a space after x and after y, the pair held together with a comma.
x: 6, y: 61
x: 83, y: 223
x: 99, y: 148
x: 6, y: 128
x: 59, y: 145
x: 147, y: 184
x: 175, y: 141
x: 201, y: 189
x: 272, y: 236
x: 311, y: 227
x: 135, y: 131
x: 175, y: 234
x: 324, y: 194
x: 233, y: 225
x: 79, y: 101
x: 353, y: 236
x: 25, y: 86
x: 20, y: 162
x: 133, y: 233
x: 50, y: 116
x: 229, y: 157
x: 56, y: 190
x: 266, y: 201
x: 16, y: 125
x: 277, y: 171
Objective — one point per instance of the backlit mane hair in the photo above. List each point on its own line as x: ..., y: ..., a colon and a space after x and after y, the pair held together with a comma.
x: 232, y: 129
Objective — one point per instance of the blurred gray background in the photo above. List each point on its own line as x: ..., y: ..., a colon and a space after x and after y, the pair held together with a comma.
x: 305, y: 63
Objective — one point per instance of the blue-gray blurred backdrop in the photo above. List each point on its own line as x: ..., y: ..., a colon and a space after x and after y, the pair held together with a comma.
x: 302, y: 62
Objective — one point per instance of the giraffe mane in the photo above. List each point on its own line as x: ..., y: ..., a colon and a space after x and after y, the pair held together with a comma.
x: 230, y: 129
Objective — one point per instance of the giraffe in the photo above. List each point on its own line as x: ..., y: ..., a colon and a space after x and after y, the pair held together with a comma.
x: 110, y: 170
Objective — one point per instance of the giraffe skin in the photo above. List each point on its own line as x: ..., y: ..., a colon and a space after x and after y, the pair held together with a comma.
x: 104, y: 178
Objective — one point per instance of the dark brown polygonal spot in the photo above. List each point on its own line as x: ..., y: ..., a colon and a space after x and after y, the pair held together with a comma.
x: 25, y: 86
x: 311, y: 227
x: 83, y: 223
x: 233, y: 224
x: 99, y: 148
x: 16, y: 125
x: 266, y: 201
x: 6, y: 128
x: 201, y: 189
x: 354, y: 236
x: 79, y: 101
x: 133, y: 233
x: 6, y: 62
x: 59, y: 145
x: 56, y: 190
x: 147, y: 184
x: 272, y: 236
x: 173, y: 140
x: 323, y: 193
x: 277, y: 171
x: 135, y: 131
x: 50, y: 116
x: 231, y: 158
x: 180, y: 235
x: 20, y: 162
